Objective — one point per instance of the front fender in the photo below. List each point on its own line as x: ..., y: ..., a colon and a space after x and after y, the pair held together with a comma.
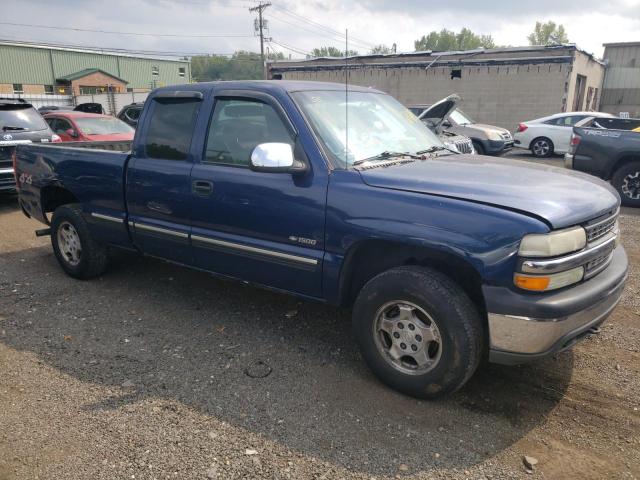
x: 484, y: 237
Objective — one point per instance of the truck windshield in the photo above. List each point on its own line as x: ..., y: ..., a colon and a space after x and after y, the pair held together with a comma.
x: 102, y: 125
x: 460, y: 118
x: 377, y: 124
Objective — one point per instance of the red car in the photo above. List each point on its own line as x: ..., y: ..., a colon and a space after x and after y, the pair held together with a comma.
x: 74, y: 126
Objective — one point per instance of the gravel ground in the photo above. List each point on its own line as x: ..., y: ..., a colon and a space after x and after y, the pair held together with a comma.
x: 155, y: 371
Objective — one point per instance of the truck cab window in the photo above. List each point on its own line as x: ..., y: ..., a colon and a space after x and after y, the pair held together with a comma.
x: 171, y: 128
x: 238, y: 126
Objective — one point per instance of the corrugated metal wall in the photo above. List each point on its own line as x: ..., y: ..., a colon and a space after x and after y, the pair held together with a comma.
x: 41, y: 66
x: 621, y: 91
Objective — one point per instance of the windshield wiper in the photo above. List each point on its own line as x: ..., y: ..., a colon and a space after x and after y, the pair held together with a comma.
x: 11, y: 127
x: 435, y: 148
x: 386, y: 155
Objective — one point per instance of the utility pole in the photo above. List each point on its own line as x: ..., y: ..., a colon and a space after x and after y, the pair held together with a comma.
x: 260, y: 27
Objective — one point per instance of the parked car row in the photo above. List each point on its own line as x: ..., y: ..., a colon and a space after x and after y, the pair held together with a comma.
x: 21, y: 123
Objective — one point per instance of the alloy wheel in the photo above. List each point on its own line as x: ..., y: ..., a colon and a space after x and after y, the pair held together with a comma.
x: 407, y: 337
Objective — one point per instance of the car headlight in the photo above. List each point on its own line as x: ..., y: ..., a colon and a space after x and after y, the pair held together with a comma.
x: 554, y: 243
x: 492, y: 135
x: 543, y: 283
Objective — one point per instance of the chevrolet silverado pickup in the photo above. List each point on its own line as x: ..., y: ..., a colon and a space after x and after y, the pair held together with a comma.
x: 610, y: 149
x: 345, y: 198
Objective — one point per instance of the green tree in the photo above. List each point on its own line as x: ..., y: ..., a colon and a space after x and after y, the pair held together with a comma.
x: 331, y: 52
x: 242, y: 65
x: 548, y: 34
x: 446, y: 40
x: 380, y: 50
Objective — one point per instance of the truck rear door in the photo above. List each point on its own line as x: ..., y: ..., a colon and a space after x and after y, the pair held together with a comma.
x: 262, y: 227
x: 158, y: 177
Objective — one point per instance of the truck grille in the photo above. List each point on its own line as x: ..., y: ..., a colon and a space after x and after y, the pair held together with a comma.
x: 7, y: 181
x: 601, y: 228
x: 464, y: 145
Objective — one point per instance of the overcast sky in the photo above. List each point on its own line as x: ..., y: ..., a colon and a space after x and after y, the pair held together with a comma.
x: 305, y: 25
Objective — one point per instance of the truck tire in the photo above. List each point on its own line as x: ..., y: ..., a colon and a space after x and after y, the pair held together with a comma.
x: 418, y: 331
x: 77, y: 252
x: 626, y: 180
x: 542, y: 147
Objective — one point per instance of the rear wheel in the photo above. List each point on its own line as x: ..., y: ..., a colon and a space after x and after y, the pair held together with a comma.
x: 542, y: 147
x: 418, y: 331
x: 77, y: 252
x: 626, y: 180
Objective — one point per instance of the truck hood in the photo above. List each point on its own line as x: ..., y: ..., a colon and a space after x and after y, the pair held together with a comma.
x: 560, y: 197
x: 486, y: 129
x: 437, y: 112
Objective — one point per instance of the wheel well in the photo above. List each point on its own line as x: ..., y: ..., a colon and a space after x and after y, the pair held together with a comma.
x: 538, y: 138
x: 374, y: 257
x: 621, y: 162
x: 54, y: 196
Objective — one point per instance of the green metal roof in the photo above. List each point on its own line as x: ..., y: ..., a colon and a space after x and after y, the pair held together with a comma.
x: 43, y: 65
x: 85, y: 72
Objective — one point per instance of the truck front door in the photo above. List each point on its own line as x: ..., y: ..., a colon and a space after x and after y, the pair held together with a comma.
x: 262, y: 227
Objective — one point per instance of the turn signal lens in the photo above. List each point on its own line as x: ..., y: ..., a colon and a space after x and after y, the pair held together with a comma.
x: 531, y: 283
x: 543, y: 283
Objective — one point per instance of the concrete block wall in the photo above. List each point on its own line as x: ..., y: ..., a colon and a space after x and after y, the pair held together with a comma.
x: 503, y: 96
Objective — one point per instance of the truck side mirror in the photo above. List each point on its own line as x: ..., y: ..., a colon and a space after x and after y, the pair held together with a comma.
x: 275, y: 157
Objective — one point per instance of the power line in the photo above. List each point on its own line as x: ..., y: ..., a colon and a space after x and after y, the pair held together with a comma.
x: 107, y: 50
x: 293, y: 49
x: 140, y: 34
x: 299, y: 17
x: 301, y: 27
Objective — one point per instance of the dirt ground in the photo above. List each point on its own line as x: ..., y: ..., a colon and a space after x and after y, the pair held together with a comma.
x: 155, y: 371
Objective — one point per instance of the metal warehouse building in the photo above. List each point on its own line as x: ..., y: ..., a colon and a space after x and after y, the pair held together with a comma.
x: 499, y: 86
x: 621, y: 90
x: 34, y: 69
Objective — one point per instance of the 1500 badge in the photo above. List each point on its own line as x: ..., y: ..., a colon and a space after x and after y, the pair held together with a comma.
x: 304, y: 241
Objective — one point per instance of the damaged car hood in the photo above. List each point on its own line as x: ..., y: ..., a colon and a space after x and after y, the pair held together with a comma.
x: 560, y: 197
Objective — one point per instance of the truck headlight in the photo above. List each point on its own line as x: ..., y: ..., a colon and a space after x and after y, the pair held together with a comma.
x: 554, y: 243
x: 543, y: 283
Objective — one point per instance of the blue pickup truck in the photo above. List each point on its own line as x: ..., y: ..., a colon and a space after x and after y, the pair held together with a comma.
x: 345, y: 198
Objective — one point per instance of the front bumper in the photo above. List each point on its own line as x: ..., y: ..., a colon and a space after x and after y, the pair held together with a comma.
x: 525, y: 327
x: 496, y: 147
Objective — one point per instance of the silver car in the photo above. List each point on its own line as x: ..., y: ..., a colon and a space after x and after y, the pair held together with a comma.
x: 487, y: 139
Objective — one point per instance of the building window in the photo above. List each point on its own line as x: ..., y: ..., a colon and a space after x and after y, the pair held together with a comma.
x: 48, y: 89
x: 155, y: 70
x: 182, y: 71
x: 17, y: 88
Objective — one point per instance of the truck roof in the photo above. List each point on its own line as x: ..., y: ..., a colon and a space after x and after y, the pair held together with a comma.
x: 269, y: 86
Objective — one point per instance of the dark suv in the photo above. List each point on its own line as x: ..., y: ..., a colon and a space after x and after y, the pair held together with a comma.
x: 19, y: 123
x: 130, y: 113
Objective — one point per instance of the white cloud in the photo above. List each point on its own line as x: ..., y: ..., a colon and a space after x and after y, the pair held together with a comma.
x: 377, y: 21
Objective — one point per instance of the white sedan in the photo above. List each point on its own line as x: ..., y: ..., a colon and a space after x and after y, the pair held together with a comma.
x: 548, y: 135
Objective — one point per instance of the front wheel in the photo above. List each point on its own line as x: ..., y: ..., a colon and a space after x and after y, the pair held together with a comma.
x: 626, y: 180
x: 77, y: 252
x: 418, y: 331
x: 542, y: 147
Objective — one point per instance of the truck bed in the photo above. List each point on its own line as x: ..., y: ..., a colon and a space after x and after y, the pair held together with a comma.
x: 40, y: 168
